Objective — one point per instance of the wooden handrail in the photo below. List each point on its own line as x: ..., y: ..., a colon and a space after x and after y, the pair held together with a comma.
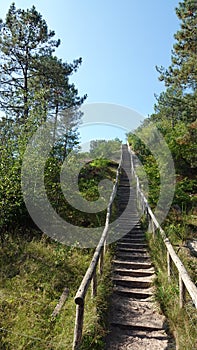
x: 184, y: 278
x: 81, y: 293
x: 90, y: 275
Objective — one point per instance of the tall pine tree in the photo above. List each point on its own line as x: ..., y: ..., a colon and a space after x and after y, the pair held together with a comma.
x: 34, y: 87
x: 30, y: 75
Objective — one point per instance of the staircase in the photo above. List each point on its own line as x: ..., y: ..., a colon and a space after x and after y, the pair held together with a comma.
x: 135, y: 320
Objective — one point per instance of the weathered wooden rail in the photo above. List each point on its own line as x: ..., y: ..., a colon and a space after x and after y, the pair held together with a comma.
x: 185, y: 282
x: 91, y: 273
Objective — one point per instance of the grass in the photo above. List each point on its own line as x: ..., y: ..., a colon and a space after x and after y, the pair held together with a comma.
x: 182, y: 322
x: 31, y: 282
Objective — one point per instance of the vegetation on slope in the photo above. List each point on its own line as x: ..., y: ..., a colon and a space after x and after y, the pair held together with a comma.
x: 34, y: 272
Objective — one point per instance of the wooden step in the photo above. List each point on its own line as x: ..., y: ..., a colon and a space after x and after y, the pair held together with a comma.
x: 132, y: 265
x: 135, y: 293
x: 132, y: 240
x: 130, y: 250
x: 132, y: 257
x: 131, y: 245
x: 134, y: 236
x: 139, y: 327
x: 134, y: 273
x: 134, y: 230
x: 131, y: 254
x: 132, y: 282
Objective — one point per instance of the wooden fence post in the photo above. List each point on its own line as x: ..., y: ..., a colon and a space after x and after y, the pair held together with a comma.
x: 101, y: 261
x: 78, y: 326
x: 141, y: 203
x: 105, y: 248
x: 149, y: 224
x: 94, y: 284
x: 137, y: 191
x: 147, y: 214
x: 182, y: 291
x: 153, y: 229
x: 169, y: 265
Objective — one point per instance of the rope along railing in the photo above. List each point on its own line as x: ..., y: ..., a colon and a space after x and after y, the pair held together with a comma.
x: 91, y: 273
x: 185, y: 282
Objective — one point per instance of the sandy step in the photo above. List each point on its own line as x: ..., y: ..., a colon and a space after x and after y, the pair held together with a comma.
x: 137, y: 314
x: 141, y: 332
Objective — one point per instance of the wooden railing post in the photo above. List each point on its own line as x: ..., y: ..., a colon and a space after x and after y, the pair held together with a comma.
x: 101, y: 261
x: 169, y: 265
x: 94, y: 285
x: 141, y: 203
x: 105, y: 247
x: 153, y: 229
x: 147, y: 214
x: 137, y: 191
x: 132, y: 167
x: 182, y: 292
x: 78, y: 326
x: 149, y: 224
x: 143, y: 206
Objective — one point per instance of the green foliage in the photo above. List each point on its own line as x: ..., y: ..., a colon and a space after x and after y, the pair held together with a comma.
x: 175, y: 113
x: 150, y: 167
x: 34, y: 273
x: 106, y: 149
x: 185, y: 193
x: 182, y: 322
x: 35, y: 88
x: 35, y: 270
x: 24, y: 36
x: 182, y: 71
x: 89, y: 178
x: 32, y: 79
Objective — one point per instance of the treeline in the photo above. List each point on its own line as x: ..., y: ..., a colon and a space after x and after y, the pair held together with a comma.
x: 175, y: 114
x: 34, y: 89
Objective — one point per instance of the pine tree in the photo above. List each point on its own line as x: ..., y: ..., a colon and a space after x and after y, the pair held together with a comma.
x: 178, y: 102
x: 52, y: 78
x: 31, y: 76
x: 182, y: 73
x: 34, y: 88
x: 24, y: 37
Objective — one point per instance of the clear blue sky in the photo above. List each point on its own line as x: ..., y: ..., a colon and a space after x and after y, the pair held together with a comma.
x: 120, y: 43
